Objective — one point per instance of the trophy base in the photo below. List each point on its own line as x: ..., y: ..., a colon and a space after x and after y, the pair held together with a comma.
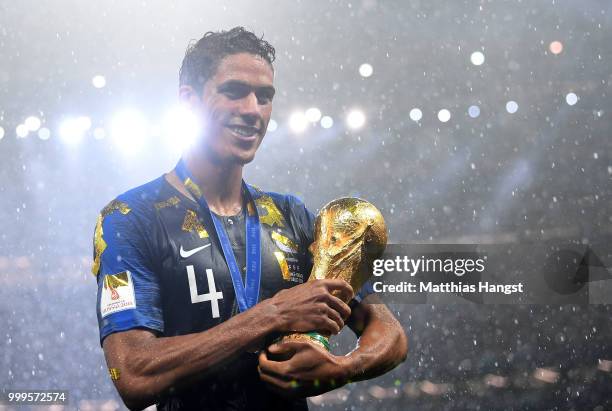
x: 311, y: 337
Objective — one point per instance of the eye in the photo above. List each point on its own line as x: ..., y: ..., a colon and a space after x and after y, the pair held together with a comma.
x: 334, y: 239
x: 264, y: 97
x: 235, y: 91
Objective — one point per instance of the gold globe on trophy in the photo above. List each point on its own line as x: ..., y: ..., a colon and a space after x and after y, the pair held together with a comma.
x: 350, y: 233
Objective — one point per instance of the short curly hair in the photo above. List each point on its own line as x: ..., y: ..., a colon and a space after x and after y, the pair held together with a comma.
x: 202, y: 57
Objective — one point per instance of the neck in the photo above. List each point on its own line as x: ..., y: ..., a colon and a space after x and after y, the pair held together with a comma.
x: 221, y: 184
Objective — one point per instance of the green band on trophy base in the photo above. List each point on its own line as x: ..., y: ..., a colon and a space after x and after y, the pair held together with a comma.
x: 319, y: 339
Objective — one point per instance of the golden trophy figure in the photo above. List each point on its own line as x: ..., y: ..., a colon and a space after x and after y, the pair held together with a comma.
x: 350, y: 234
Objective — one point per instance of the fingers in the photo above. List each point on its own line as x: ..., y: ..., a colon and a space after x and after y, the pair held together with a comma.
x: 270, y: 367
x: 304, y: 357
x: 340, y: 307
x: 282, y: 348
x: 331, y: 321
x: 313, y: 306
x: 339, y: 287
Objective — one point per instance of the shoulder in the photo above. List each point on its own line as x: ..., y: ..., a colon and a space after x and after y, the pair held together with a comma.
x: 127, y: 220
x: 278, y: 209
x: 288, y: 203
x: 143, y: 199
x: 139, y: 203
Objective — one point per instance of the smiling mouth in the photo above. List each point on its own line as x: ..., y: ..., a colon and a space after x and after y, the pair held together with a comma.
x: 243, y: 131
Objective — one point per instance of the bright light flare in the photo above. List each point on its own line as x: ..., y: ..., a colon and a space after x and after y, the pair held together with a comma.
x: 99, y: 133
x: 22, y: 131
x: 44, y: 133
x: 98, y: 81
x: 512, y: 107
x: 555, y: 47
x: 571, y: 99
x: 72, y: 130
x: 366, y: 70
x: 298, y: 122
x: 355, y: 119
x: 32, y: 123
x: 444, y: 115
x: 84, y: 122
x: 327, y: 122
x: 128, y: 131
x: 313, y: 114
x: 181, y: 127
x: 474, y: 111
x: 416, y: 114
x: 1, y: 133
x: 477, y: 58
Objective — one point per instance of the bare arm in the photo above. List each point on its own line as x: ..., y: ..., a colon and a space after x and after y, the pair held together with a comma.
x: 382, y: 343
x: 149, y: 366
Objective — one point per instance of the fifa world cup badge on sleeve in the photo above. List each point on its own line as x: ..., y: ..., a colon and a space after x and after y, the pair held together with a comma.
x: 117, y: 293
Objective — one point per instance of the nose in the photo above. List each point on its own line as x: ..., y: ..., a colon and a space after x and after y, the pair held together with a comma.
x: 249, y: 109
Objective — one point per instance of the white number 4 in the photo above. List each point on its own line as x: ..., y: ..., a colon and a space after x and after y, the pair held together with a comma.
x: 212, y: 295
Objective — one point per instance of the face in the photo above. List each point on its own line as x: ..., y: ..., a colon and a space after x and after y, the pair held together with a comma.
x: 235, y: 107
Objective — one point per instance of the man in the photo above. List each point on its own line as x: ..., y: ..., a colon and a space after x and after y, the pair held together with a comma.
x: 199, y: 272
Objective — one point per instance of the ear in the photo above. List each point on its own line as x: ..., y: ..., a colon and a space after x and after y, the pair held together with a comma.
x: 188, y: 95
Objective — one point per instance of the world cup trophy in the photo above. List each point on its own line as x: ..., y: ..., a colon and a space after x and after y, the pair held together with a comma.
x: 350, y: 233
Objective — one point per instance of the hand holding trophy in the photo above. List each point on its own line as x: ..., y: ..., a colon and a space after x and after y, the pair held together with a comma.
x: 350, y: 233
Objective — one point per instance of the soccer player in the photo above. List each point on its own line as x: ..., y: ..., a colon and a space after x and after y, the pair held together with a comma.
x: 198, y: 272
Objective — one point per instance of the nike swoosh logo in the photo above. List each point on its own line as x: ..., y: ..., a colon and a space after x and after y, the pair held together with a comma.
x: 187, y: 254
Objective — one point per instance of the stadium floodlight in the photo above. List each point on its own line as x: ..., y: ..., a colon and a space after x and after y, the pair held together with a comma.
x: 327, y: 122
x: 444, y: 115
x: 32, y: 123
x: 366, y: 70
x: 477, y: 58
x: 84, y: 122
x: 44, y: 133
x: 99, y: 133
x: 555, y: 47
x: 298, y: 122
x: 474, y: 111
x: 313, y: 114
x: 415, y: 114
x: 571, y: 99
x: 72, y: 130
x: 181, y: 127
x: 355, y: 119
x: 21, y: 131
x: 98, y: 81
x: 128, y: 131
x: 512, y: 106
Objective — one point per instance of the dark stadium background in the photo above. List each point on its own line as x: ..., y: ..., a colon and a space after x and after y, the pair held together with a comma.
x: 540, y: 174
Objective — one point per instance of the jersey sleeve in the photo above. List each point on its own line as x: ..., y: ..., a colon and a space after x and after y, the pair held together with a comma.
x: 303, y: 222
x: 128, y: 286
x: 302, y: 219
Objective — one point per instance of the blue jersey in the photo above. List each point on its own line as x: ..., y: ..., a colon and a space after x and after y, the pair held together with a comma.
x: 160, y: 267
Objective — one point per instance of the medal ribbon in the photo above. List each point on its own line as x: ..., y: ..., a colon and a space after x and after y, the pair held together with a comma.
x: 247, y: 293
